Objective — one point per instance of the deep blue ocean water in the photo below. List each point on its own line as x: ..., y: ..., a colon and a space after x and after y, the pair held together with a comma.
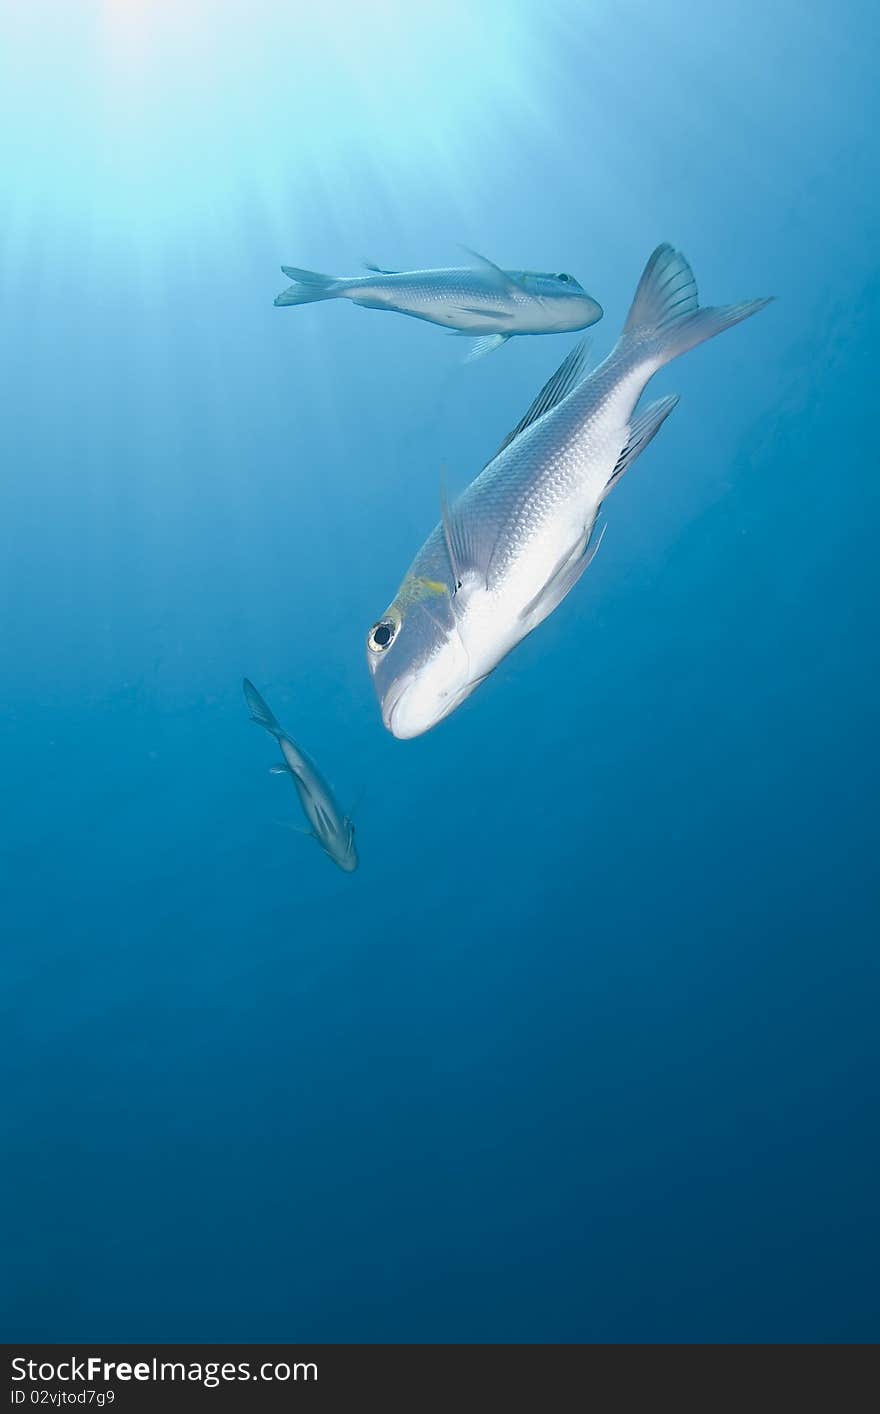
x: 587, y: 1050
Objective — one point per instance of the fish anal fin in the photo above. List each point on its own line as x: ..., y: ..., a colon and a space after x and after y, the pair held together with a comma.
x: 643, y: 427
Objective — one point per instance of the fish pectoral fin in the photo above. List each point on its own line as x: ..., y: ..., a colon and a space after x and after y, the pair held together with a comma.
x: 564, y: 578
x: 491, y: 316
x: 502, y: 278
x: 642, y: 428
x: 486, y: 345
x: 468, y: 546
x: 566, y: 377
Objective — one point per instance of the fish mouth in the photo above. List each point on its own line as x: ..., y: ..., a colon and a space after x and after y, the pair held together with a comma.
x: 404, y: 731
x: 590, y: 311
x: 392, y: 702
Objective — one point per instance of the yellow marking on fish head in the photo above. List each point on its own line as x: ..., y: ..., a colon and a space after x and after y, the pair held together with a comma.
x: 416, y: 587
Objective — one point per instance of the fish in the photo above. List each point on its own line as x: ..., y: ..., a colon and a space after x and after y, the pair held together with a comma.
x: 484, y: 302
x: 521, y: 535
x: 332, y: 829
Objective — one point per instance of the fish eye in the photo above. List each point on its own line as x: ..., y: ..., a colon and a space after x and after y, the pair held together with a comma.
x: 381, y: 635
x: 566, y: 279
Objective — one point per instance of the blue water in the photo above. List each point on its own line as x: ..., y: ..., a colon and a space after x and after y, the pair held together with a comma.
x: 587, y: 1050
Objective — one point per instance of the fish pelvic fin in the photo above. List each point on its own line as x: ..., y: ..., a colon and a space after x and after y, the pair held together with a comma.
x: 563, y: 579
x: 665, y: 316
x: 488, y: 344
x: 309, y: 286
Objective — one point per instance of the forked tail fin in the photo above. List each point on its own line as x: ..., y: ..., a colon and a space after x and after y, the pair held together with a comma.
x: 308, y: 287
x: 260, y: 711
x: 665, y: 316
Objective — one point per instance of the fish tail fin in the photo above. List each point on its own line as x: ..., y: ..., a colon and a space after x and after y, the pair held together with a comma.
x: 309, y: 286
x: 665, y: 318
x: 260, y: 711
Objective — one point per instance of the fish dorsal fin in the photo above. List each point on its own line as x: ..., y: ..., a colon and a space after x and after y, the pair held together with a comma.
x: 566, y: 377
x: 642, y: 428
x: 502, y: 278
x: 378, y: 270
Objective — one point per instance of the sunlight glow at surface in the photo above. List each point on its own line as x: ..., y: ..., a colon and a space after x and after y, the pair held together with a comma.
x: 161, y: 158
x: 173, y: 113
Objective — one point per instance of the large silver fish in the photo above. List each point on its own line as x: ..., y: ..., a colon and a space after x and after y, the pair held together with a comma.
x: 486, y: 302
x: 329, y: 826
x: 519, y: 538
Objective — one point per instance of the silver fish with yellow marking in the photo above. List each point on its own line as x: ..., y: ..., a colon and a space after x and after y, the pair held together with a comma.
x: 485, y: 302
x: 329, y: 826
x: 521, y: 535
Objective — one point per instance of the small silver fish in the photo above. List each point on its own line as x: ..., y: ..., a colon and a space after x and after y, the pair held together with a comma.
x: 329, y: 826
x: 521, y: 535
x: 488, y: 303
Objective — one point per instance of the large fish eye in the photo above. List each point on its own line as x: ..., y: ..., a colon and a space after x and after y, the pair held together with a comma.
x: 566, y: 279
x: 381, y: 635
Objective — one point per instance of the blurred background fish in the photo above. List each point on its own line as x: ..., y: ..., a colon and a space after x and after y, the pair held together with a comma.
x: 331, y: 828
x: 483, y: 301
